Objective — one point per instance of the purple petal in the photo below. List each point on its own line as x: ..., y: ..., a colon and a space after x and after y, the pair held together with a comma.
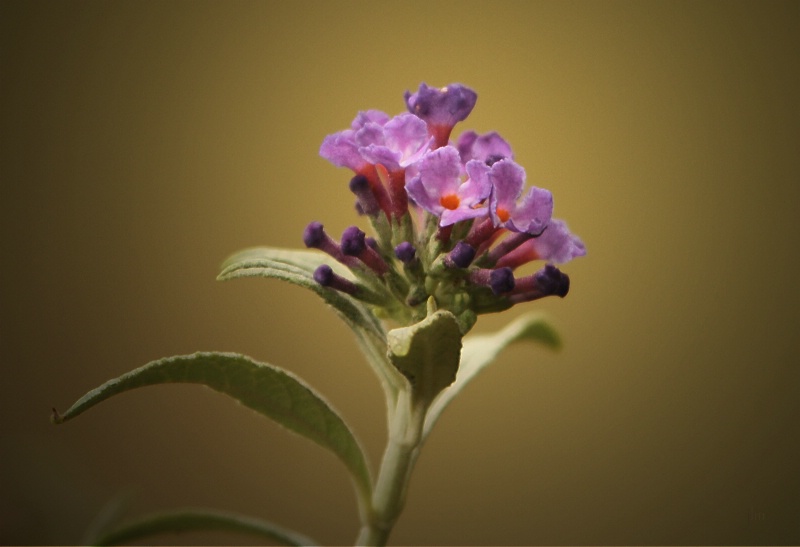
x: 419, y: 194
x: 507, y: 178
x: 402, y: 141
x: 463, y: 212
x: 408, y: 135
x: 557, y: 244
x: 489, y: 147
x: 441, y: 169
x: 534, y: 212
x: 340, y: 149
x: 370, y: 133
x: 374, y: 116
x: 441, y: 106
x: 439, y: 174
x: 478, y: 186
x: 376, y: 154
x: 464, y: 144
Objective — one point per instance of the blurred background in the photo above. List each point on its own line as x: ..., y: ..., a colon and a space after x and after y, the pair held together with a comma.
x: 143, y: 142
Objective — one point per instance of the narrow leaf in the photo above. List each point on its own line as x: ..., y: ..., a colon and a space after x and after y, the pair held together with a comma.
x: 187, y: 520
x: 297, y: 267
x: 267, y: 389
x: 481, y: 350
x: 264, y: 256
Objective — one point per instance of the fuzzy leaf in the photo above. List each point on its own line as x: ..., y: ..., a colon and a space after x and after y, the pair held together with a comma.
x: 267, y: 389
x: 185, y: 520
x: 481, y: 350
x: 427, y: 353
x: 297, y: 267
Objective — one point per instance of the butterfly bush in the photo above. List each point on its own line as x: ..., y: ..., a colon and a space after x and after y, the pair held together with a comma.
x: 452, y: 220
x: 451, y: 223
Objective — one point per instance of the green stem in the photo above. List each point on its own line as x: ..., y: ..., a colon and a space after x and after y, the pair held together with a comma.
x: 388, y: 498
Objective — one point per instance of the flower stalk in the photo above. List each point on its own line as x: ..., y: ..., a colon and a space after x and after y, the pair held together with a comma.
x: 391, y: 486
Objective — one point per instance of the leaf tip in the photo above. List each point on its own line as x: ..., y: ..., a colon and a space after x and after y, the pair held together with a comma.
x: 55, y: 417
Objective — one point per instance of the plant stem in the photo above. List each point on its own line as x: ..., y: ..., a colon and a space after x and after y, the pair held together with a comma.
x: 388, y: 498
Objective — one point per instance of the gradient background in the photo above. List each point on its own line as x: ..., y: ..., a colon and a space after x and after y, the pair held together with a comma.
x: 143, y: 142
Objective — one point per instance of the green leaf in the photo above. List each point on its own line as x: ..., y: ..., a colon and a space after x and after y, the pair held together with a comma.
x: 297, y: 267
x: 267, y: 389
x: 186, y: 520
x: 481, y: 350
x: 303, y: 259
x: 427, y: 353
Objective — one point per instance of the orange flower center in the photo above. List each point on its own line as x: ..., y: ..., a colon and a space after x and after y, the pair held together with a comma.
x: 450, y: 201
x: 502, y: 214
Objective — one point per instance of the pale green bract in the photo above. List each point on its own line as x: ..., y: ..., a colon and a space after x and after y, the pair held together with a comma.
x: 427, y: 353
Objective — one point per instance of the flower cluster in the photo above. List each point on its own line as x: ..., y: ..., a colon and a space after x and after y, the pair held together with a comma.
x: 452, y: 220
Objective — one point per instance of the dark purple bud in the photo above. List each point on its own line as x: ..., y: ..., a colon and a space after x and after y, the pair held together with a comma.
x: 314, y: 235
x: 360, y: 186
x: 549, y: 281
x: 325, y: 276
x: 552, y: 281
x: 372, y: 242
x: 501, y: 280
x: 461, y: 256
x: 353, y: 243
x: 405, y: 252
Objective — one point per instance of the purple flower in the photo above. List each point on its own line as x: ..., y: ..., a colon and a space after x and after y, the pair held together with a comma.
x: 557, y: 245
x: 369, y: 116
x: 441, y: 108
x: 341, y: 148
x: 531, y: 214
x: 438, y: 186
x: 473, y: 220
x: 489, y: 147
x: 402, y: 141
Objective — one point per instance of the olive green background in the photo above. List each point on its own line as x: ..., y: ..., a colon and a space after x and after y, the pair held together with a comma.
x: 143, y: 142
